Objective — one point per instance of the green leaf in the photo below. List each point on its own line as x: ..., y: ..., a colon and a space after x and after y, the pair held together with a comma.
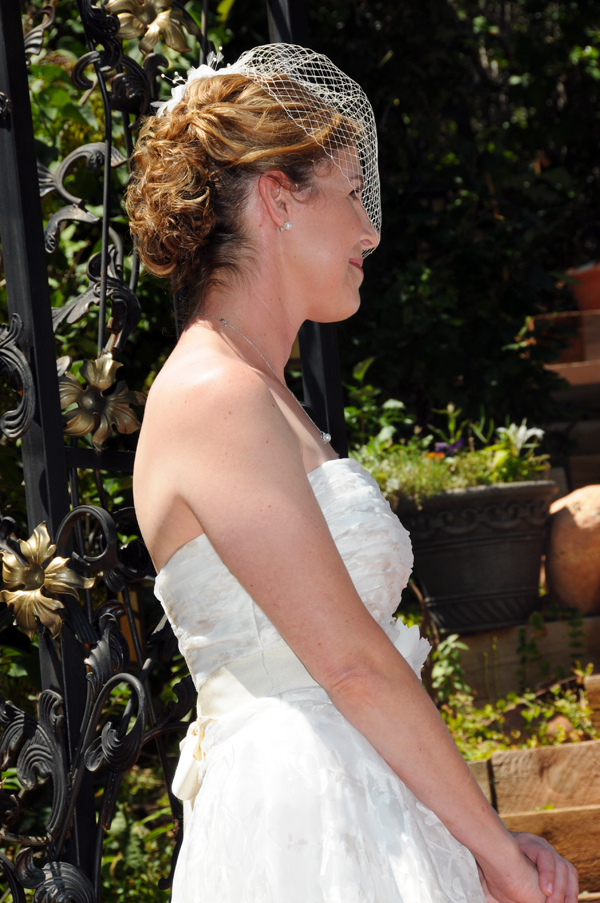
x: 224, y: 8
x: 360, y: 370
x: 17, y: 670
x: 77, y: 114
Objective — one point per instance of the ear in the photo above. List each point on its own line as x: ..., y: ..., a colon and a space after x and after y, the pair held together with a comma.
x: 275, y: 193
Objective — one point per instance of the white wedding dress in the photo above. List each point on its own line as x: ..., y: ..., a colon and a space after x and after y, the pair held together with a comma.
x: 292, y: 804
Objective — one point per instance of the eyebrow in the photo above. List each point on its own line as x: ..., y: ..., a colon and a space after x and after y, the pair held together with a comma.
x: 358, y: 177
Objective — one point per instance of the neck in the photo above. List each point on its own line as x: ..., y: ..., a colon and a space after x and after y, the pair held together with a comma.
x: 261, y: 318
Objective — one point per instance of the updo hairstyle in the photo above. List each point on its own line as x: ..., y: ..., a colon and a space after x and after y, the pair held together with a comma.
x: 194, y: 168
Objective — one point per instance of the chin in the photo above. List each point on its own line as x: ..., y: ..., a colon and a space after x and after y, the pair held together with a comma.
x: 350, y: 306
x: 335, y: 312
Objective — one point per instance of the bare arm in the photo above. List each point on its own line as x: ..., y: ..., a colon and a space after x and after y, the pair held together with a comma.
x: 257, y: 507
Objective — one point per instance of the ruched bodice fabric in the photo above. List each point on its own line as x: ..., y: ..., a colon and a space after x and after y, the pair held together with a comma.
x: 215, y: 620
x: 291, y: 803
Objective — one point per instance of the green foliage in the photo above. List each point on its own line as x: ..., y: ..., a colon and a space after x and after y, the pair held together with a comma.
x: 489, y: 121
x: 139, y: 843
x: 19, y: 672
x: 533, y: 666
x: 412, y: 470
x: 522, y: 720
x: 447, y: 675
x: 514, y: 457
x: 519, y: 721
x: 368, y: 418
x: 12, y: 488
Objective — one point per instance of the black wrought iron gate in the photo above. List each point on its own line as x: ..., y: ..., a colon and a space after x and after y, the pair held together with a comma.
x: 76, y: 581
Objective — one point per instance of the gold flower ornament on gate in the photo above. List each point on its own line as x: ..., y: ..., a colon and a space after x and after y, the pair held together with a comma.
x: 86, y: 409
x: 153, y: 19
x: 35, y: 581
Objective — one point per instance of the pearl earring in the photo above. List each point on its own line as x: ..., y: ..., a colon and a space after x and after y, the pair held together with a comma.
x: 287, y: 226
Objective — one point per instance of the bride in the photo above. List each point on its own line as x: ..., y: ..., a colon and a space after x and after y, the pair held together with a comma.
x: 318, y: 771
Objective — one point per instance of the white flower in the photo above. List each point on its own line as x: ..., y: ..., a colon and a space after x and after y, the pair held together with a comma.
x: 203, y: 71
x: 411, y: 645
x: 516, y: 436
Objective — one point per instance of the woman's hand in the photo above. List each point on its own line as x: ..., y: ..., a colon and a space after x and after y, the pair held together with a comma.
x: 558, y: 879
x: 510, y: 879
x: 536, y: 875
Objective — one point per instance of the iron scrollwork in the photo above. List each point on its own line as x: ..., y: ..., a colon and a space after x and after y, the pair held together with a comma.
x: 14, y: 885
x: 101, y: 28
x: 55, y: 882
x: 15, y: 367
x: 37, y: 745
x: 66, y: 747
x: 5, y: 106
x: 49, y: 181
x: 35, y: 36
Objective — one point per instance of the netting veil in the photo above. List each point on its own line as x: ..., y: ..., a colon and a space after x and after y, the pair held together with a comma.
x: 322, y: 89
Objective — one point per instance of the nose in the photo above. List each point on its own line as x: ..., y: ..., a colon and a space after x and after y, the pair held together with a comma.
x: 370, y: 237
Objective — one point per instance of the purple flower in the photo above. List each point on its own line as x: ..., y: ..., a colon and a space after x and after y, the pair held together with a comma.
x: 451, y: 448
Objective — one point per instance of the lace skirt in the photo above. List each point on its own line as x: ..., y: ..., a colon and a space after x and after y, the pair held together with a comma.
x: 297, y: 807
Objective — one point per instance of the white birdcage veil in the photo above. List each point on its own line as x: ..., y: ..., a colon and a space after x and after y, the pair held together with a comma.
x: 278, y: 68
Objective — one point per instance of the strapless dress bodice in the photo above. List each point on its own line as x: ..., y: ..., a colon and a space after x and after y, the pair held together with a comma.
x: 285, y: 799
x: 215, y: 620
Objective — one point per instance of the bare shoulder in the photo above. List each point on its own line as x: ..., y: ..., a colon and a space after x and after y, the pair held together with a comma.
x: 206, y: 384
x: 214, y: 443
x: 207, y: 412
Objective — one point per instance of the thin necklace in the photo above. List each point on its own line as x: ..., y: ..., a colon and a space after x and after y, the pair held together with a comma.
x: 326, y: 438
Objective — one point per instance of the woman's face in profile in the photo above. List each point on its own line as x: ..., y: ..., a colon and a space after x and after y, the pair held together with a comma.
x: 330, y: 232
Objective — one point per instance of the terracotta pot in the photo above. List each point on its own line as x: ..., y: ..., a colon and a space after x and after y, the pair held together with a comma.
x: 573, y: 556
x: 587, y: 289
x: 478, y: 552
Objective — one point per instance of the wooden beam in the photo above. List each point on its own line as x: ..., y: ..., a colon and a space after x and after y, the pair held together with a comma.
x: 560, y: 776
x: 573, y: 832
x: 592, y: 688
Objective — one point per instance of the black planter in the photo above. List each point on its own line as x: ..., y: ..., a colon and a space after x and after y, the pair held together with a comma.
x: 478, y: 552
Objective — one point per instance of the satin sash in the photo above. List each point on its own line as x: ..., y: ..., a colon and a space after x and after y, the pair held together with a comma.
x: 266, y: 673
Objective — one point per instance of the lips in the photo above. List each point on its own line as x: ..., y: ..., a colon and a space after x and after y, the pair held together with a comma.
x: 356, y: 263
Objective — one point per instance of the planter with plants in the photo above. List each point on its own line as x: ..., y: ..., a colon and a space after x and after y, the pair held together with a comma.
x: 476, y: 506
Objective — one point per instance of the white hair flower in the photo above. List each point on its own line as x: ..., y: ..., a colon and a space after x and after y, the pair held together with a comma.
x: 205, y: 70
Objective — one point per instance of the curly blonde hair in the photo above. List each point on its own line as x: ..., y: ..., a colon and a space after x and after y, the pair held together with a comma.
x: 193, y: 169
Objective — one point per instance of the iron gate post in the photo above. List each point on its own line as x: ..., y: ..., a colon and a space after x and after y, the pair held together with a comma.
x: 44, y: 466
x: 22, y: 237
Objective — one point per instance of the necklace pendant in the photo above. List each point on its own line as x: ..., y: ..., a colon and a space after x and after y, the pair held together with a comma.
x: 325, y: 437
